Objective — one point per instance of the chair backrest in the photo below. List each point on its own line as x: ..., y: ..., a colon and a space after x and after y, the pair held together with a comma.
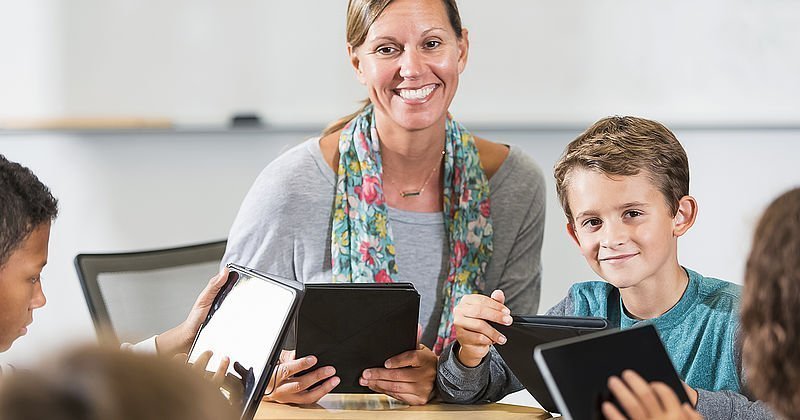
x: 135, y: 295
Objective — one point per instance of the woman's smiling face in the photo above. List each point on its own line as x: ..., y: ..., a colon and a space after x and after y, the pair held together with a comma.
x: 410, y: 63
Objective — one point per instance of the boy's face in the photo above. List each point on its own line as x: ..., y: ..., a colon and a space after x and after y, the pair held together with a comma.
x: 623, y: 226
x: 20, y: 288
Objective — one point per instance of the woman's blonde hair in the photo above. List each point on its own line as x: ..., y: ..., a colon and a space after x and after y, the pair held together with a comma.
x: 770, y: 302
x: 361, y: 14
x: 95, y: 384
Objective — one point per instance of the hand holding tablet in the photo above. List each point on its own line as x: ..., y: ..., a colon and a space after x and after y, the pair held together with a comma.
x: 357, y: 326
x: 577, y: 370
x: 246, y: 323
x: 641, y: 400
x: 300, y: 380
x: 471, y: 319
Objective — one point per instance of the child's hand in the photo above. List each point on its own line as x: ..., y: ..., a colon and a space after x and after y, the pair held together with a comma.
x: 645, y: 401
x: 473, y: 333
x: 201, y: 365
x: 179, y: 339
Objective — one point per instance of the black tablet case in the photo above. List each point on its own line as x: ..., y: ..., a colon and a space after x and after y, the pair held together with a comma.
x: 527, y: 332
x: 355, y: 326
x: 579, y: 368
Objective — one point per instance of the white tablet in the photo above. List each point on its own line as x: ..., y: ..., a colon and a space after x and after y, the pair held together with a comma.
x: 247, y: 323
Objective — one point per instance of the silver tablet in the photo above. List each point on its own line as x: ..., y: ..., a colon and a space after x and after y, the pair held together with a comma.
x: 247, y: 323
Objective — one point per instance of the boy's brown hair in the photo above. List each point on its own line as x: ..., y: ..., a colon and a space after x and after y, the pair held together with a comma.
x: 770, y: 302
x: 626, y: 146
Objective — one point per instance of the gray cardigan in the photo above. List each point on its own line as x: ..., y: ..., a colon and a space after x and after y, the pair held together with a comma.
x: 284, y: 227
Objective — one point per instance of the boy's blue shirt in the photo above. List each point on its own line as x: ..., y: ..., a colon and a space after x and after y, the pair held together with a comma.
x: 699, y: 332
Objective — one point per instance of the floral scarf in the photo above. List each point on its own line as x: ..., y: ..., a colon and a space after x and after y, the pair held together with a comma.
x: 362, y: 248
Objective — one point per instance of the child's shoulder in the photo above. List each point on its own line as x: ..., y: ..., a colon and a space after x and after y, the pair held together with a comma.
x: 715, y: 291
x: 710, y: 286
x: 592, y: 288
x: 591, y: 298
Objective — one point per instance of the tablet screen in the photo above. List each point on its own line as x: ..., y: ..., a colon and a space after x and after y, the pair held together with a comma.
x: 246, y: 323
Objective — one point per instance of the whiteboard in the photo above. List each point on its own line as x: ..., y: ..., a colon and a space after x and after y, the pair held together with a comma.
x: 717, y: 62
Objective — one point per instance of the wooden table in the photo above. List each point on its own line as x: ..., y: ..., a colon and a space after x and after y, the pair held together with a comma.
x: 372, y: 406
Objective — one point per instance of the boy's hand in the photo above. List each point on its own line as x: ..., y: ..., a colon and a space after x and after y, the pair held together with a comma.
x: 691, y: 392
x: 473, y: 333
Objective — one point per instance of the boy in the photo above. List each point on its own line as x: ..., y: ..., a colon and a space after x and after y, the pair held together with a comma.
x: 623, y: 185
x: 27, y: 208
x: 770, y: 297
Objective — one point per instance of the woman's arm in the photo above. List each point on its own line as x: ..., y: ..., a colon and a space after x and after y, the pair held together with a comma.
x: 520, y: 282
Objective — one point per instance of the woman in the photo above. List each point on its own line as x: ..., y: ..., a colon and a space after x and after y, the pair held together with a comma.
x: 770, y: 327
x: 398, y: 191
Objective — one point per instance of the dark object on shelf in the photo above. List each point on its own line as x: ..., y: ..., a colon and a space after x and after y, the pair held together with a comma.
x: 246, y: 121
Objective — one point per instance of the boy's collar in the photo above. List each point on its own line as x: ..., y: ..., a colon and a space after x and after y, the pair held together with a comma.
x: 675, y: 314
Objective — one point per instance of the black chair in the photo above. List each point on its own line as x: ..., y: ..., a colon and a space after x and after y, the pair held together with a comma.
x: 135, y: 295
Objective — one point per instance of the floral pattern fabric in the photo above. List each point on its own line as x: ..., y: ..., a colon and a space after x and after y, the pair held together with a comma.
x: 362, y: 248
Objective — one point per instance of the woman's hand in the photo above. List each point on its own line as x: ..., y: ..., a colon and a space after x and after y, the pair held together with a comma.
x: 180, y: 338
x: 643, y: 400
x: 473, y: 333
x: 409, y: 376
x: 289, y: 388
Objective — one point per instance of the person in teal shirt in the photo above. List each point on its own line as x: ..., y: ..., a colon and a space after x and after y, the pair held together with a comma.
x: 770, y: 321
x: 699, y: 331
x: 624, y: 188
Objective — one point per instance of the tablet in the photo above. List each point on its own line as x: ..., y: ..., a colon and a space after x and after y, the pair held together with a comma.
x: 355, y: 326
x: 247, y: 322
x: 527, y: 332
x: 576, y: 370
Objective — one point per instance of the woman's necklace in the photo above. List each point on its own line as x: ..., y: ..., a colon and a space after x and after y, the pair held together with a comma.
x: 417, y: 193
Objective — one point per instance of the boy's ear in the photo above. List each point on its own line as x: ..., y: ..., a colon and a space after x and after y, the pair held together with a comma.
x: 686, y: 215
x: 571, y: 231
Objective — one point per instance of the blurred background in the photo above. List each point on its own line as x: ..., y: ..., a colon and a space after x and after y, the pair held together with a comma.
x: 123, y: 108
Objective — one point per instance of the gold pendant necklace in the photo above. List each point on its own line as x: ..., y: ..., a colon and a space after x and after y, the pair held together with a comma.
x: 417, y: 193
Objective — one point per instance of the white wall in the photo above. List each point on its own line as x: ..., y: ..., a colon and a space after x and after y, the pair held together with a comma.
x: 687, y: 62
x: 137, y: 191
x: 129, y: 192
